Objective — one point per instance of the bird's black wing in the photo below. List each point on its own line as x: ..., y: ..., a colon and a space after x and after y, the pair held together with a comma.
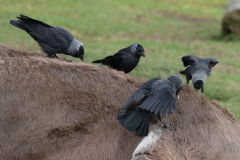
x: 124, y: 50
x: 160, y: 101
x: 114, y: 61
x: 40, y: 31
x: 137, y: 97
x: 188, y: 60
x: 117, y: 59
x: 55, y: 39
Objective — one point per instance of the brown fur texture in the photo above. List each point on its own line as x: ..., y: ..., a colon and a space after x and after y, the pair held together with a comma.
x: 53, y: 109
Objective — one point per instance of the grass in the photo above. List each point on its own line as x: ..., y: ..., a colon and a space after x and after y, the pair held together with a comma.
x: 167, y: 29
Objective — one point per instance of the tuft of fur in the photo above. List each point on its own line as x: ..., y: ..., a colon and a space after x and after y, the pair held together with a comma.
x: 148, y: 143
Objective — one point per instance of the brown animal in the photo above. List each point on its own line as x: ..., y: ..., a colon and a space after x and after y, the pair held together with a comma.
x: 52, y: 109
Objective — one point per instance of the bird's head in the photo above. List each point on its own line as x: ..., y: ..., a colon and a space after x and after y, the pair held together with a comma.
x: 177, y: 82
x: 199, y: 69
x: 80, y: 53
x: 137, y: 49
x: 140, y: 50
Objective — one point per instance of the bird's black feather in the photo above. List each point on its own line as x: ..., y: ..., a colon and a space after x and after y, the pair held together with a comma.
x: 34, y: 27
x: 114, y: 61
x: 152, y: 105
x: 42, y: 32
x: 133, y: 125
x: 169, y: 109
x: 146, y: 129
x: 159, y: 109
x: 18, y: 25
x: 152, y: 101
x: 138, y: 96
x: 106, y: 60
x: 141, y: 127
x: 52, y: 40
x: 124, y: 60
x: 155, y: 107
x: 182, y: 72
x: 163, y: 95
x: 136, y: 120
x: 154, y: 97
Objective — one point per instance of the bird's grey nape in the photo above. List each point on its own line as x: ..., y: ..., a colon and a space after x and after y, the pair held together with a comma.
x: 177, y: 81
x: 133, y: 48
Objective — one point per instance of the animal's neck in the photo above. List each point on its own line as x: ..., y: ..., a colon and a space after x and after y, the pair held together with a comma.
x: 73, y: 47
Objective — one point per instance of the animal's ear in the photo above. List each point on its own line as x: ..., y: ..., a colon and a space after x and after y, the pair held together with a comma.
x: 212, y: 62
x: 189, y: 60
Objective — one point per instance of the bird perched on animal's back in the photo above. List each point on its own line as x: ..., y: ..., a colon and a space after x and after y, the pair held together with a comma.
x: 199, y: 70
x: 51, y: 39
x: 156, y: 96
x: 125, y: 59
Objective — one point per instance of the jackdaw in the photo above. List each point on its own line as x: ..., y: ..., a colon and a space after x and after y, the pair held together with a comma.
x: 199, y: 70
x: 156, y: 96
x: 51, y: 39
x: 125, y: 59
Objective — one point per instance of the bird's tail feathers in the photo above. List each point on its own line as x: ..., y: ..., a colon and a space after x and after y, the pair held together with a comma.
x: 137, y: 120
x: 18, y: 25
x: 183, y: 72
x: 98, y: 61
x: 105, y: 61
x: 29, y: 25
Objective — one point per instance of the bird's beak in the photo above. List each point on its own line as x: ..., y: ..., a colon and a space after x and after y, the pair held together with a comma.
x: 177, y: 93
x: 202, y: 88
x: 82, y: 58
x: 142, y: 54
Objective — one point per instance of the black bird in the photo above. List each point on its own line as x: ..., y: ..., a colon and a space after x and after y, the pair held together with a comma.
x: 51, y: 39
x: 199, y: 70
x: 155, y: 97
x: 125, y: 59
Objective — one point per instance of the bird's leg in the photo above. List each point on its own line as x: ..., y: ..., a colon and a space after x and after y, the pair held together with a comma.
x: 55, y: 56
x: 202, y: 88
x: 165, y: 125
x: 187, y: 79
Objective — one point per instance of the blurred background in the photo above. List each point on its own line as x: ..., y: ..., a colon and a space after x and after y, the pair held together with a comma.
x: 167, y: 29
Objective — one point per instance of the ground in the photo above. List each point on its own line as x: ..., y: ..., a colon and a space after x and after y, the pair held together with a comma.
x: 167, y: 29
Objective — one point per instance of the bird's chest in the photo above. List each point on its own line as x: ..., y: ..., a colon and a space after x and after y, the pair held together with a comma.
x: 130, y: 62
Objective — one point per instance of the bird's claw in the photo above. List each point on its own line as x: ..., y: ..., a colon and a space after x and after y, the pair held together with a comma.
x: 166, y: 126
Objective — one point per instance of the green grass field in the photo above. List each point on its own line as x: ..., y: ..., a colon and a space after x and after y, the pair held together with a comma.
x: 167, y: 29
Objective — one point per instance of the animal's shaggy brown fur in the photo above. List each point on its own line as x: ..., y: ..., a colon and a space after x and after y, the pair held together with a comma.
x: 54, y: 109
